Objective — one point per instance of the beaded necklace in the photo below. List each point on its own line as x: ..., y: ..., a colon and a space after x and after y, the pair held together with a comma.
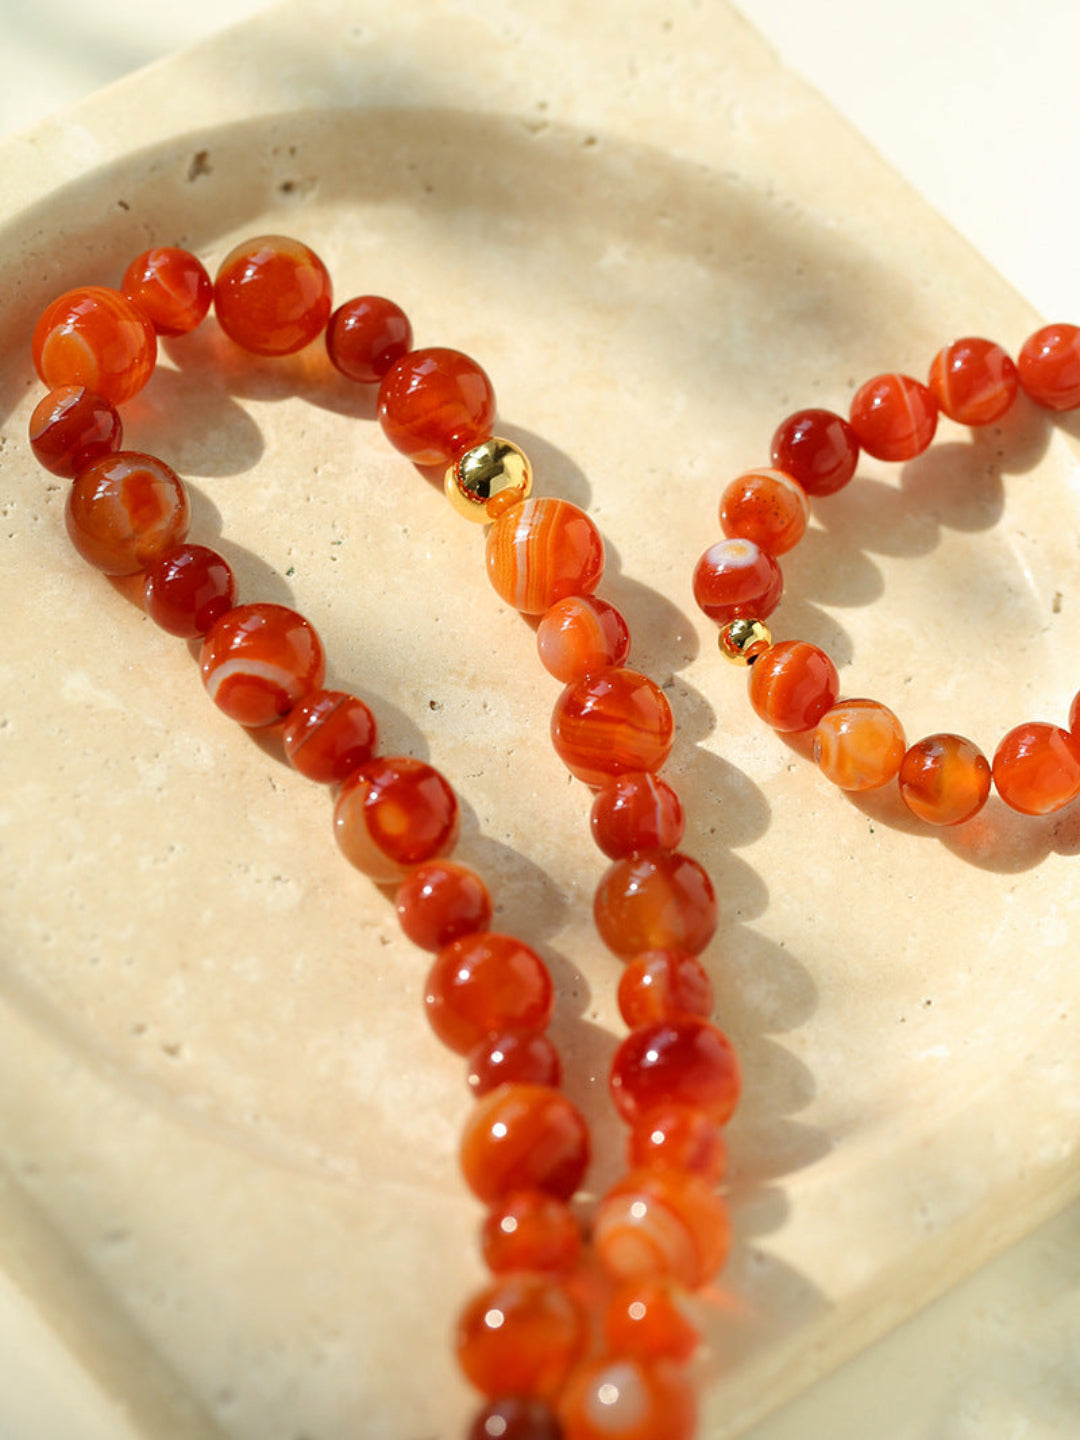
x: 582, y: 1332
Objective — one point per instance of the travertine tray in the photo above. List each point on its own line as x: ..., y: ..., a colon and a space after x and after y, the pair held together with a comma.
x: 227, y: 1138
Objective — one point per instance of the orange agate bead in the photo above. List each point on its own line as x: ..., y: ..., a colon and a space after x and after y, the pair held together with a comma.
x: 767, y: 507
x: 125, y: 511
x: 440, y: 902
x: 662, y: 1223
x: 171, y: 288
x: 651, y: 1319
x: 485, y: 983
x: 520, y: 1336
x: 894, y: 417
x: 542, y: 551
x: 513, y: 1057
x: 394, y: 813
x: 681, y: 1061
x: 272, y: 295
x: 435, y: 404
x: 258, y: 661
x: 1049, y: 366
x: 95, y: 337
x: 524, y: 1137
x: 516, y: 1417
x: 366, y: 336
x: 737, y: 580
x: 655, y: 900
x: 792, y: 685
x: 579, y: 635
x: 944, y: 779
x: 626, y: 1398
x: 636, y: 811
x: 859, y: 744
x: 973, y: 381
x: 818, y: 449
x: 678, y: 1137
x: 612, y: 722
x: 188, y: 590
x: 531, y: 1231
x: 1037, y: 768
x: 329, y: 735
x: 662, y: 984
x: 71, y: 428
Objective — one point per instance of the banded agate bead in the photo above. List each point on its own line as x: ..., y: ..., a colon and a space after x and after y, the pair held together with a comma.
x: 442, y: 901
x: 329, y: 735
x: 973, y: 381
x: 541, y: 551
x: 516, y: 1417
x: 579, y: 635
x: 1037, y: 768
x: 678, y: 1137
x: 531, y: 1231
x: 662, y: 984
x: 95, y: 337
x: 818, y: 449
x: 521, y: 1335
x: 434, y: 404
x: 894, y: 417
x: 126, y: 511
x: 636, y: 811
x: 736, y: 580
x: 524, y: 1137
x: 682, y: 1061
x: 272, y: 295
x: 188, y: 590
x: 650, y: 1318
x: 394, y: 813
x: 1049, y: 366
x: 859, y: 744
x: 792, y: 685
x: 767, y: 507
x: 484, y: 983
x: 655, y: 900
x: 944, y: 779
x: 171, y: 288
x: 662, y: 1223
x: 612, y: 722
x: 627, y: 1398
x: 366, y: 336
x: 258, y: 661
x: 71, y: 428
x: 513, y: 1057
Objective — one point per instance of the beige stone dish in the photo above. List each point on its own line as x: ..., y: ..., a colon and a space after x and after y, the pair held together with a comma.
x: 227, y: 1171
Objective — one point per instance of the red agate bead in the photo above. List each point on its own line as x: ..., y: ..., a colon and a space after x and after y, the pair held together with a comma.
x: 366, y: 336
x: 513, y: 1057
x: 442, y: 901
x: 792, y: 685
x: 767, y: 507
x: 627, y: 1398
x: 542, y: 551
x: 95, y: 337
x: 531, y: 1231
x: 435, y: 404
x: 171, y: 288
x: 1049, y: 366
x: 188, y: 589
x: 736, y: 580
x: 973, y: 381
x: 894, y: 417
x: 661, y: 984
x: 684, y: 1060
x: 579, y: 635
x: 636, y: 811
x: 71, y: 428
x: 258, y: 661
x: 1037, y: 768
x: 125, y: 511
x: 818, y: 449
x: 516, y: 1417
x: 859, y: 744
x: 612, y: 722
x: 662, y: 1223
x: 393, y: 813
x: 524, y: 1137
x: 944, y: 779
x: 520, y: 1335
x: 655, y: 900
x: 678, y: 1137
x: 329, y: 735
x: 272, y: 295
x: 651, y: 1318
x: 485, y: 983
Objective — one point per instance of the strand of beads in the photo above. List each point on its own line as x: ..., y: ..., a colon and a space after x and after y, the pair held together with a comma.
x: 860, y: 744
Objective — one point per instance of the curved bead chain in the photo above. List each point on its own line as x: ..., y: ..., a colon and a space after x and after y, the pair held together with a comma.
x: 527, y: 1341
x: 860, y: 744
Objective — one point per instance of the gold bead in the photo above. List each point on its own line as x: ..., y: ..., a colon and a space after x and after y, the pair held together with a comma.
x: 488, y: 479
x: 742, y: 641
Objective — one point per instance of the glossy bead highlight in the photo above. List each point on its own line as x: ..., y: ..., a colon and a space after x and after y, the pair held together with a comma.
x: 367, y: 335
x: 894, y: 417
x: 973, y: 381
x: 329, y: 735
x: 520, y: 1335
x: 859, y: 744
x: 944, y: 779
x: 71, y: 428
x: 682, y: 1061
x: 580, y: 635
x: 792, y: 685
x: 655, y: 900
x: 95, y: 337
x: 258, y: 661
x: 272, y: 295
x: 737, y: 580
x: 393, y: 813
x: 440, y: 902
x: 125, y: 511
x: 541, y: 551
x: 1049, y: 367
x: 188, y: 590
x: 636, y: 811
x: 1037, y: 768
x: 818, y: 449
x: 524, y: 1137
x: 171, y: 288
x: 484, y: 983
x: 434, y: 404
x: 612, y: 722
x: 767, y: 507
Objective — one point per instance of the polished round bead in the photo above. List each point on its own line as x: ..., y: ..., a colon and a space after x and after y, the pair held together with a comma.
x: 894, y: 417
x: 818, y: 449
x: 792, y: 685
x: 258, y: 661
x: 742, y: 642
x: 329, y: 735
x: 1049, y: 367
x: 171, y: 287
x: 662, y: 1223
x: 859, y: 744
x: 682, y: 1061
x: 579, y: 635
x: 655, y: 900
x: 524, y: 1137
x: 272, y: 295
x: 125, y: 511
x: 626, y: 1398
x: 483, y: 984
x: 394, y: 813
x: 188, y: 590
x: 678, y: 1137
x: 515, y: 1417
x: 737, y: 580
x: 520, y: 1335
x: 434, y: 404
x: 650, y: 1318
x: 440, y: 902
x: 1037, y: 768
x: 944, y: 779
x: 636, y: 811
x: 663, y: 984
x: 541, y: 551
x: 610, y: 723
x: 366, y: 335
x: 531, y: 1231
x: 71, y: 428
x: 767, y: 507
x: 973, y: 381
x: 95, y: 337
x: 513, y: 1057
x: 487, y: 479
